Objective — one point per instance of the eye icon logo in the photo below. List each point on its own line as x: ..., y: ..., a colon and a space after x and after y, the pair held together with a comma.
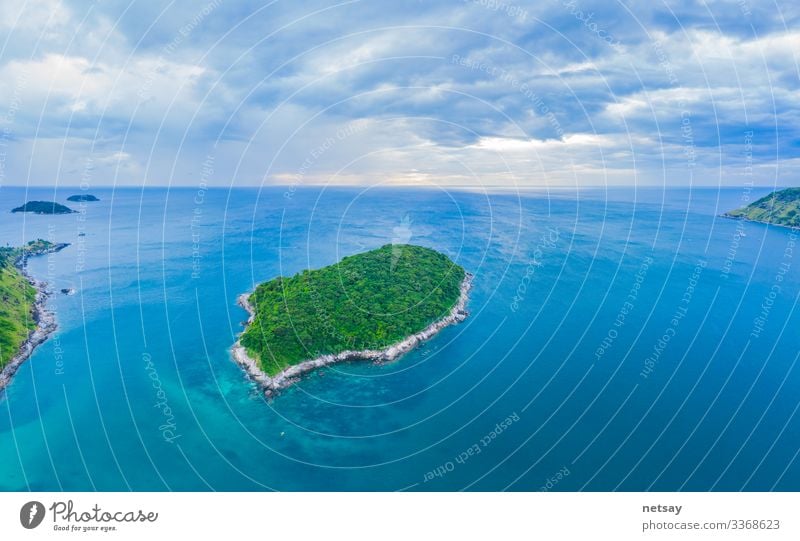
x: 31, y: 515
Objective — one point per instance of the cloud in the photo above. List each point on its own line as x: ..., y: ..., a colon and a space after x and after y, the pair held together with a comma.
x: 560, y: 92
x: 47, y: 18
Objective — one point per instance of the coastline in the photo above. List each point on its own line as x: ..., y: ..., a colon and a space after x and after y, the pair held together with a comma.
x: 746, y: 219
x: 44, y: 318
x: 292, y: 374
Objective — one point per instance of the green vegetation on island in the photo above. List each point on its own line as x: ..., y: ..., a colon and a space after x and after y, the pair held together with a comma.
x: 83, y: 198
x: 44, y: 207
x: 778, y: 208
x: 18, y: 297
x: 366, y: 301
x: 16, y: 306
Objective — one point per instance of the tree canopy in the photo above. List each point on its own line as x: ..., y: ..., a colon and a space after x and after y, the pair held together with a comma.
x: 366, y: 301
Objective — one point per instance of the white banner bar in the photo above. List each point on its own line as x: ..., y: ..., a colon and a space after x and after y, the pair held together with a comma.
x: 401, y: 516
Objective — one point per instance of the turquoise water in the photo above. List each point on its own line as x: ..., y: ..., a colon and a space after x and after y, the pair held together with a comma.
x: 553, y: 382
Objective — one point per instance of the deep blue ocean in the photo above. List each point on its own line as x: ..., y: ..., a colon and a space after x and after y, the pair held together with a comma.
x: 618, y: 340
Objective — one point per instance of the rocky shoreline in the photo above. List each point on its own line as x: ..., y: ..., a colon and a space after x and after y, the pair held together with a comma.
x: 746, y: 219
x: 285, y: 378
x: 44, y: 318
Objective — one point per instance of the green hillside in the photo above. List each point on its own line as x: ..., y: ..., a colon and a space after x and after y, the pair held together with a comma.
x: 366, y: 301
x: 779, y: 208
x: 17, y: 296
x: 16, y: 304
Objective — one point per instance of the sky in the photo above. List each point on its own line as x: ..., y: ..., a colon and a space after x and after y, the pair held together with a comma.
x: 489, y: 93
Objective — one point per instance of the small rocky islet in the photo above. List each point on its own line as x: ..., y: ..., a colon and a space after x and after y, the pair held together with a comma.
x: 43, y: 207
x: 83, y: 198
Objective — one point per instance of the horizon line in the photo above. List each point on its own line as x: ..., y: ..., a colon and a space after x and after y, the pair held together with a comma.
x: 390, y: 186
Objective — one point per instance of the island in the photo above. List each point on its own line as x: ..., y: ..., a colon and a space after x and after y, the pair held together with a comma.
x: 376, y: 306
x: 44, y: 207
x: 778, y: 208
x: 24, y: 321
x: 83, y: 198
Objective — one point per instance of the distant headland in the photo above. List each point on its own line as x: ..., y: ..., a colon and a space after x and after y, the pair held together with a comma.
x: 377, y: 306
x: 44, y: 207
x: 778, y: 208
